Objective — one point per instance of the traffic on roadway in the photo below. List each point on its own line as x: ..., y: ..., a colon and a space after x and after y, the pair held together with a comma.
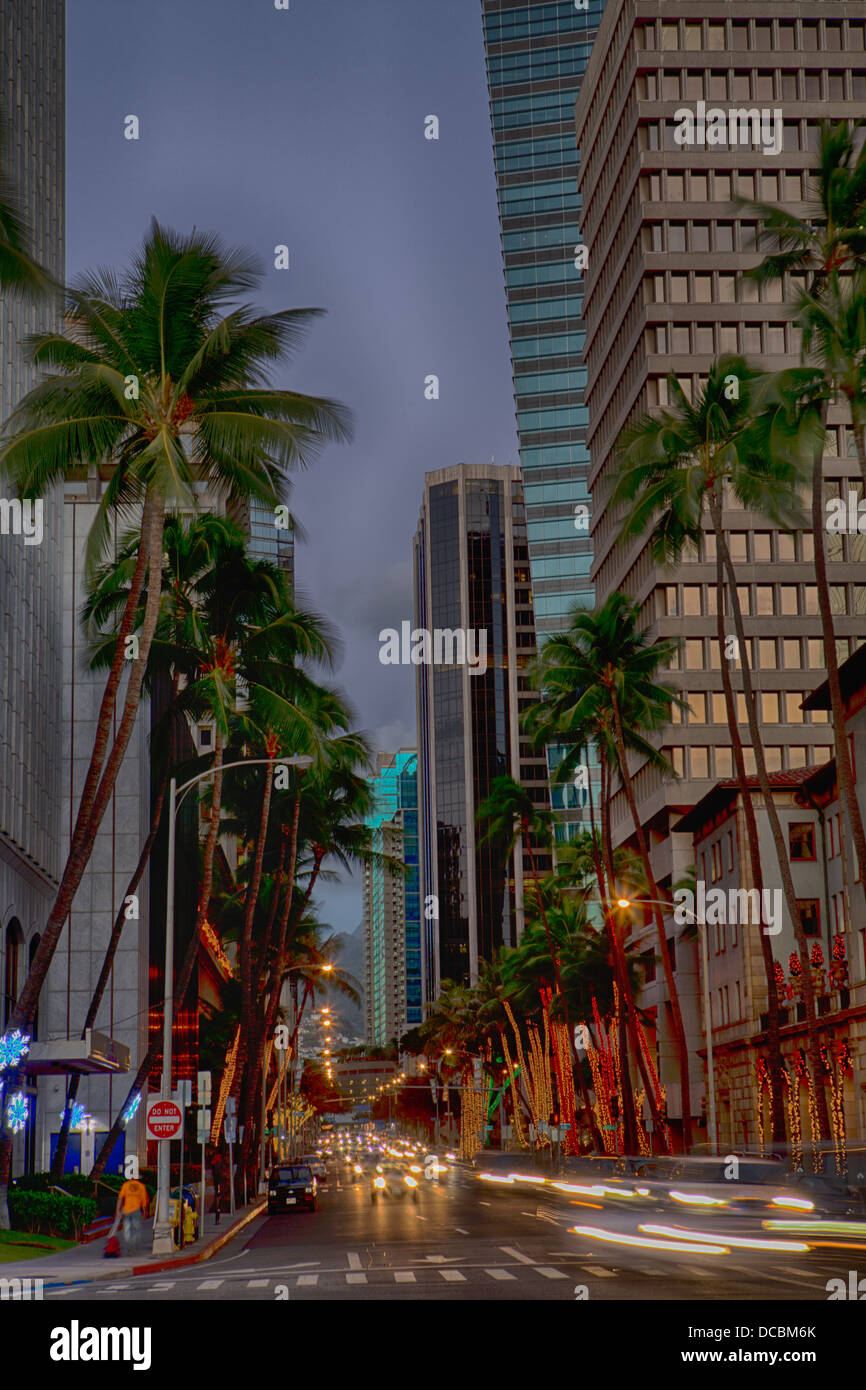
x: 380, y: 1215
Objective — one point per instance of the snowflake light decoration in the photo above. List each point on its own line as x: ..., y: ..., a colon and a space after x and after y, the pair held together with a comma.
x: 131, y: 1110
x: 13, y: 1046
x: 79, y: 1115
x: 17, y: 1111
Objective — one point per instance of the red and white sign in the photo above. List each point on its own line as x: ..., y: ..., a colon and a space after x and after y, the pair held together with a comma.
x: 164, y: 1119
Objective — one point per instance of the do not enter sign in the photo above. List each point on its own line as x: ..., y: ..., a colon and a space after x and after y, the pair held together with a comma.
x: 164, y: 1119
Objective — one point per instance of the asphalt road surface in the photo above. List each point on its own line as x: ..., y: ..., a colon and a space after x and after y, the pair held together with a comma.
x: 465, y: 1241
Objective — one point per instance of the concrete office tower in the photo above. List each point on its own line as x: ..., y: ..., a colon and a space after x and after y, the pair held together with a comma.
x: 32, y: 162
x: 392, y: 904
x: 666, y: 243
x: 472, y: 584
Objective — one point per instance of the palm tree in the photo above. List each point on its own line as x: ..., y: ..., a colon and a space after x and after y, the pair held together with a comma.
x: 601, y: 675
x: 512, y: 819
x: 155, y: 385
x: 675, y: 468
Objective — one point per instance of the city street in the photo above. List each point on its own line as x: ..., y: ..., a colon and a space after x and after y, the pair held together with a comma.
x: 461, y: 1242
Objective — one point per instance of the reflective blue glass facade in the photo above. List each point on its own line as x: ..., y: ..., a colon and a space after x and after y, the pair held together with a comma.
x: 537, y: 51
x: 392, y: 904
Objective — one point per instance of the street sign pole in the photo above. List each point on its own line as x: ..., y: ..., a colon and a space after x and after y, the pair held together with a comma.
x: 162, y: 1242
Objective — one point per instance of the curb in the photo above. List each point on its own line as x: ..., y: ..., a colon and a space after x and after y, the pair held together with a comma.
x: 212, y: 1248
x: 55, y: 1279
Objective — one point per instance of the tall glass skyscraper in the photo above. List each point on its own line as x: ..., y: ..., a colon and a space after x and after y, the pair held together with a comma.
x: 537, y: 53
x: 392, y: 904
x: 472, y: 577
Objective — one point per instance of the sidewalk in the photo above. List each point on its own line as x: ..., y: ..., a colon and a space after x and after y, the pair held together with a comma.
x: 86, y: 1262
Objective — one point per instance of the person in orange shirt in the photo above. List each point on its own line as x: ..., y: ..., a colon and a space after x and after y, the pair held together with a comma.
x: 132, y: 1203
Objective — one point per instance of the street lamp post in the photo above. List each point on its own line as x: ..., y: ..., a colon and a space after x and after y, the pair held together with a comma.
x: 162, y: 1241
x: 708, y: 1022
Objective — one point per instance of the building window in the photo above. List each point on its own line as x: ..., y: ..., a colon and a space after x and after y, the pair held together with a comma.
x: 801, y: 840
x: 810, y: 916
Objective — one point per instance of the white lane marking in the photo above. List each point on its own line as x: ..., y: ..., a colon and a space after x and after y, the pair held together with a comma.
x: 598, y: 1272
x: 111, y: 1288
x: 550, y: 1273
x: 484, y: 1204
x: 461, y: 1230
x: 356, y: 1278
x: 308, y: 1280
x: 354, y: 1260
x: 695, y: 1272
x: 516, y: 1255
x: 166, y: 1284
x: 211, y: 1283
x: 806, y: 1273
x: 421, y: 1218
x: 258, y: 1283
x: 452, y: 1276
x: 404, y: 1276
x: 499, y: 1274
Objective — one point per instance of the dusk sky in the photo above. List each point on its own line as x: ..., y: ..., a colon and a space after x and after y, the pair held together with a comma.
x: 306, y: 127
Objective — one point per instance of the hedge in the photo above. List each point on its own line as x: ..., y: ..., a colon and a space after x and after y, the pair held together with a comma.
x: 50, y: 1213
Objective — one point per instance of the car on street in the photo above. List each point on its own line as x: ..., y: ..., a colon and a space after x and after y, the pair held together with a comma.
x: 292, y: 1185
x: 393, y: 1180
x: 318, y: 1165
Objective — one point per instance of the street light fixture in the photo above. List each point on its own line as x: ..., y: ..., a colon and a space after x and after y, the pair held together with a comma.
x: 162, y: 1239
x: 708, y: 1022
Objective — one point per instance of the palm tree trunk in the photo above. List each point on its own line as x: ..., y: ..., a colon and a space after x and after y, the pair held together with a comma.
x: 673, y: 995
x: 250, y: 901
x: 778, y: 837
x: 146, y: 1066
x: 59, y: 1160
x: 774, y: 1043
x: 247, y: 1107
x: 189, y: 961
x: 844, y: 773
x: 620, y: 969
x: 575, y: 1063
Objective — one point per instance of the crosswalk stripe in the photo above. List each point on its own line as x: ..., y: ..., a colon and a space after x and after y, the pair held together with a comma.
x: 257, y: 1283
x: 308, y: 1280
x: 695, y: 1272
x: 516, y: 1255
x: 499, y: 1274
x: 211, y: 1284
x: 404, y: 1276
x: 453, y: 1276
x: 356, y: 1278
x: 113, y: 1288
x: 550, y: 1273
x: 166, y: 1284
x: 599, y: 1272
x: 354, y: 1260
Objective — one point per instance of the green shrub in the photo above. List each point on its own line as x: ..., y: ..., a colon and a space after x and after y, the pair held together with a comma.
x: 50, y: 1213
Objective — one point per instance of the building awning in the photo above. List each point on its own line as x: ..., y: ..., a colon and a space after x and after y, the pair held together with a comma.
x: 95, y: 1052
